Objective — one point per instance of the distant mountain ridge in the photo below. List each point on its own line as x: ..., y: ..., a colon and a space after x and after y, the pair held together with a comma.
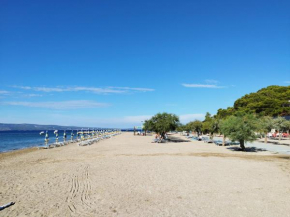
x: 26, y: 127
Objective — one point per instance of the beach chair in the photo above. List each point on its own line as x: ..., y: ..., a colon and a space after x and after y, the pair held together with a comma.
x: 82, y: 143
x: 57, y: 144
x: 46, y: 146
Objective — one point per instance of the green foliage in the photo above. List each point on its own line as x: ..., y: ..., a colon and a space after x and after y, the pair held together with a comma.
x: 240, y: 127
x: 206, y: 124
x: 223, y: 113
x: 181, y: 128
x: 269, y: 101
x: 195, y: 126
x: 162, y: 123
x: 215, y: 125
x: 279, y: 123
x: 265, y: 124
x: 286, y: 126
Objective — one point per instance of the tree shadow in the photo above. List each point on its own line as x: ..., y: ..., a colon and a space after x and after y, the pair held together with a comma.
x: 248, y: 149
x: 176, y: 139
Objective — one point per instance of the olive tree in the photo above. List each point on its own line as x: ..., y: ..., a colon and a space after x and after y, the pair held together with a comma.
x: 240, y: 127
x: 214, y: 126
x: 162, y: 123
x: 206, y: 124
x: 265, y: 125
x: 195, y: 126
x: 286, y: 126
x: 279, y: 124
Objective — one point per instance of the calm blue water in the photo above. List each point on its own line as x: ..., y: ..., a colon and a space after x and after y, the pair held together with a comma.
x: 14, y: 140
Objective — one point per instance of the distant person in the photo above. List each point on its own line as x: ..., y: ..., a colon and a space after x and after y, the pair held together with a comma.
x: 156, y: 139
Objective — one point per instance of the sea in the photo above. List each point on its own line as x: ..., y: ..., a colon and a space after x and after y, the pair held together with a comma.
x: 16, y: 140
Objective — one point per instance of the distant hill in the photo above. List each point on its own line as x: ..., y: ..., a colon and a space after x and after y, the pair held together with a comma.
x: 271, y: 101
x: 26, y: 127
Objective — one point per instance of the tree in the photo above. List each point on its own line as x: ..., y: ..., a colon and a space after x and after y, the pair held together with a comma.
x: 223, y: 113
x: 181, y: 127
x: 278, y: 124
x: 214, y: 126
x: 240, y: 127
x: 162, y: 123
x: 286, y: 126
x: 206, y: 124
x: 269, y: 101
x: 195, y: 126
x: 265, y: 125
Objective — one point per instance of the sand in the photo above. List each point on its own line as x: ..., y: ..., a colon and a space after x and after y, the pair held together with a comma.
x: 130, y: 176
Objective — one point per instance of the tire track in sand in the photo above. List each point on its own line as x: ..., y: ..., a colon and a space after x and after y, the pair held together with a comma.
x: 78, y: 200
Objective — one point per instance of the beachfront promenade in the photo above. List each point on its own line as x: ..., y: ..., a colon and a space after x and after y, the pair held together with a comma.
x: 129, y: 176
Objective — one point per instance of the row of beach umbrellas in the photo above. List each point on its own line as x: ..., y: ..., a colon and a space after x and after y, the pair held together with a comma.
x: 80, y: 134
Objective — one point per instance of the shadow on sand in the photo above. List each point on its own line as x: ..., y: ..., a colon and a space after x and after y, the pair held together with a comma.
x: 175, y: 139
x: 248, y: 149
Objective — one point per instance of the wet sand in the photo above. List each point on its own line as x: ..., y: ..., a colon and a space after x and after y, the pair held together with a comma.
x: 130, y: 176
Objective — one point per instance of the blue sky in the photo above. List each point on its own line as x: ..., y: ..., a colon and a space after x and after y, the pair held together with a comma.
x: 116, y: 63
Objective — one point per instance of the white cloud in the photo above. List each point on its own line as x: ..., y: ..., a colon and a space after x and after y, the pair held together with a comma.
x: 202, y: 86
x: 22, y: 87
x: 32, y: 95
x: 97, y: 90
x: 4, y: 92
x: 74, y: 104
x: 209, y: 83
x: 134, y: 88
x: 191, y: 117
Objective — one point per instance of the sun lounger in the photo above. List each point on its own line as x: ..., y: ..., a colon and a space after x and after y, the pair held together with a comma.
x: 207, y: 140
x: 46, y: 146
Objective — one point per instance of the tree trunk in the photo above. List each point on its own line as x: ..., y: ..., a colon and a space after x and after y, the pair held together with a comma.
x: 266, y: 138
x: 134, y: 131
x: 279, y: 135
x: 224, y: 140
x: 163, y: 135
x: 242, y: 145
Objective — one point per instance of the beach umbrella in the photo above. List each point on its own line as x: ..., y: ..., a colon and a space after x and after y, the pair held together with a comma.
x: 72, y: 135
x: 64, y: 135
x: 46, y: 135
x: 46, y: 138
x: 56, y: 135
x: 41, y: 133
x: 82, y: 135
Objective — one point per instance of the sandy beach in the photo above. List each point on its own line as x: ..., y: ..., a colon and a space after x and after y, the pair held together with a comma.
x: 130, y: 176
